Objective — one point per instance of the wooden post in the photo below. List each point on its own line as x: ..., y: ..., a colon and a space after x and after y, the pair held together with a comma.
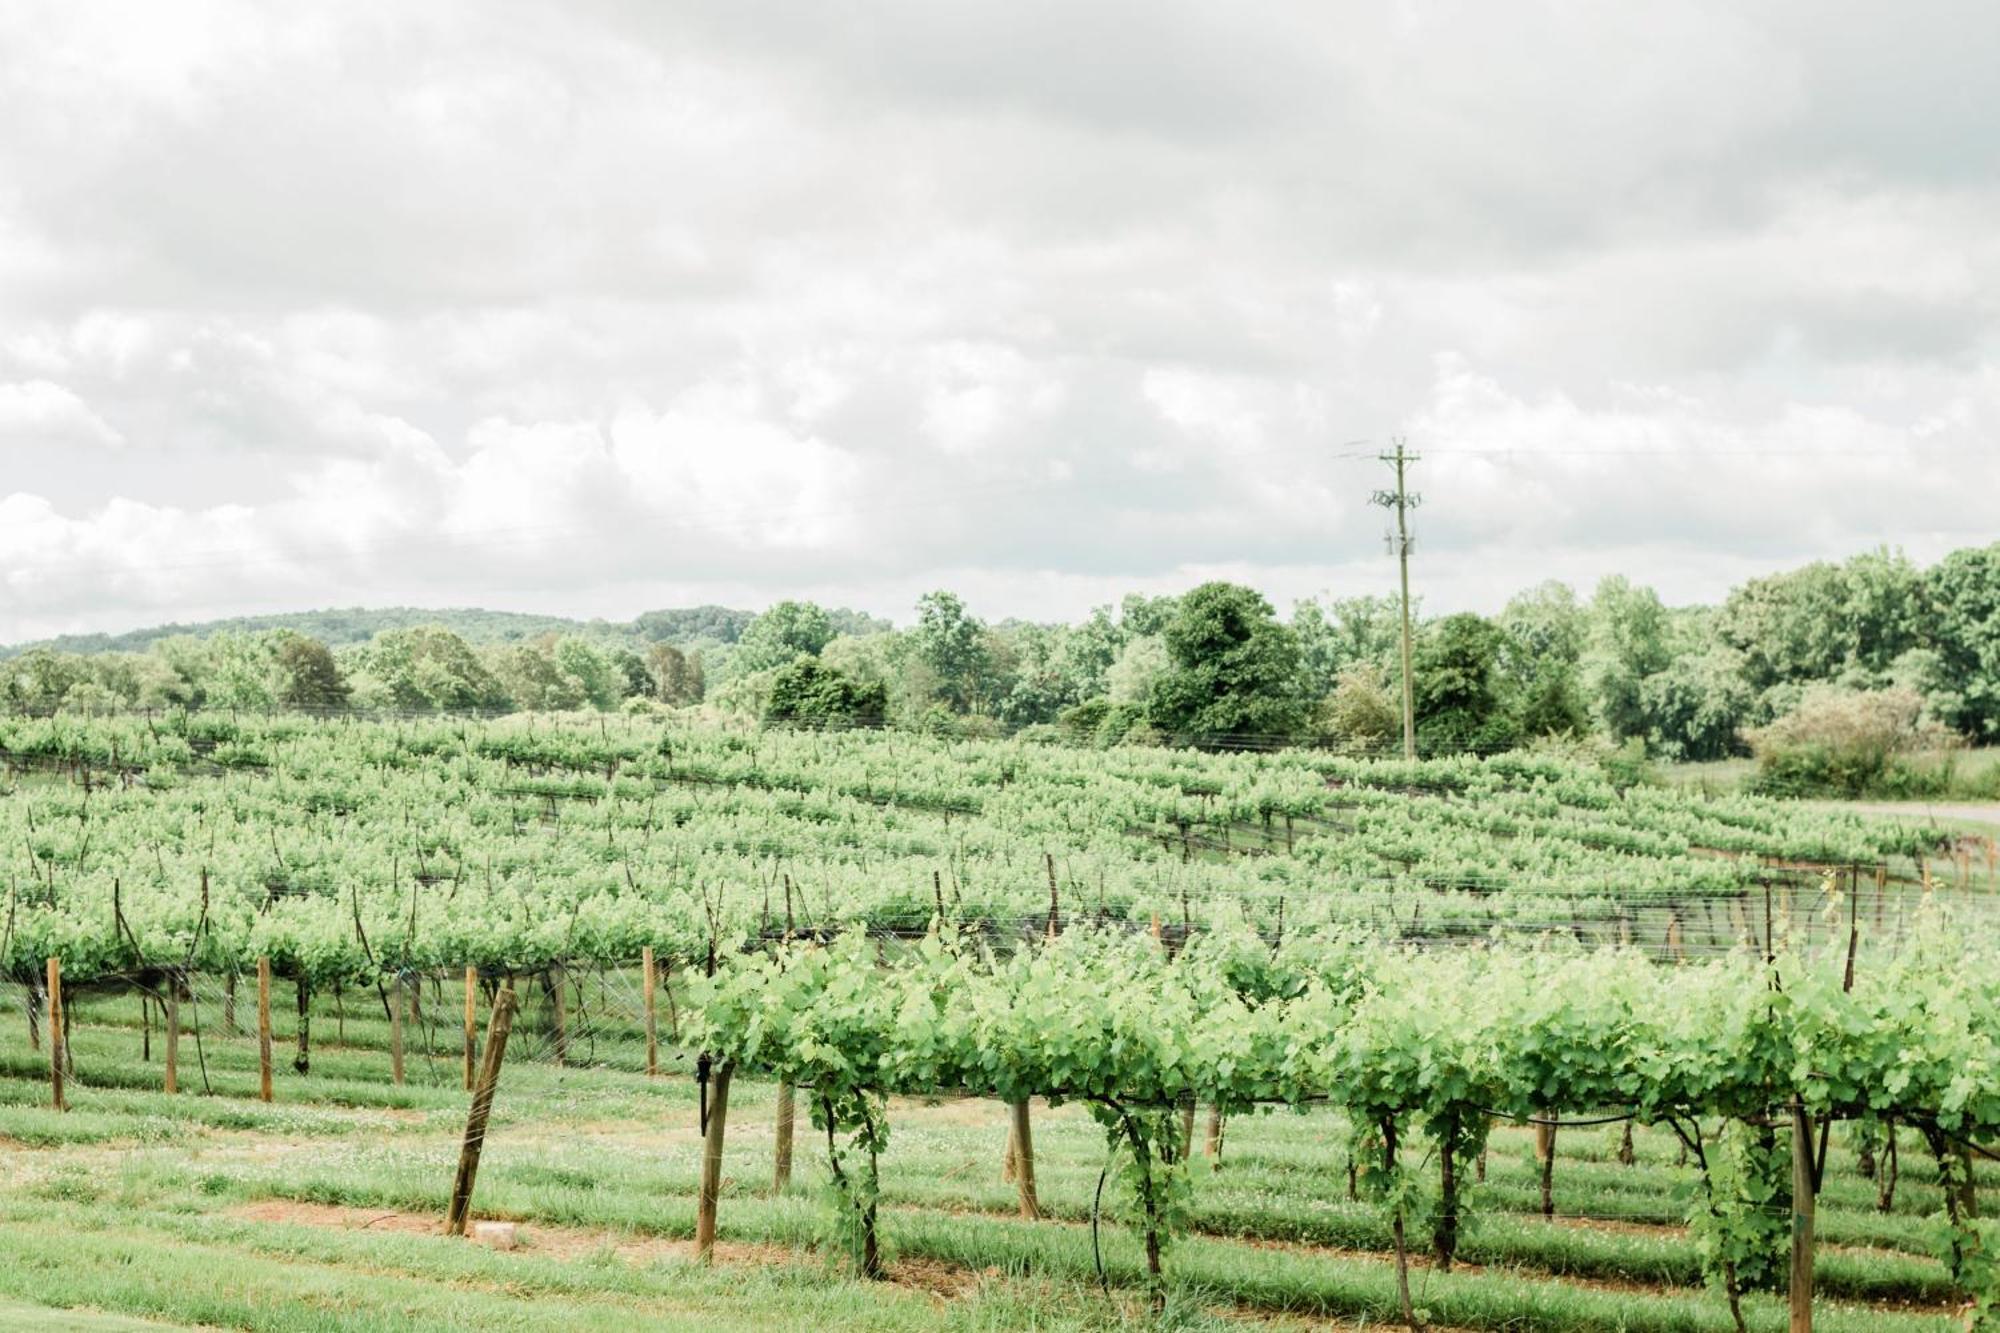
x: 396, y: 1030
x: 781, y: 1175
x: 302, y: 1062
x: 471, y: 1028
x: 56, y: 1036
x: 651, y: 985
x: 1212, y: 1149
x: 1802, y: 1220
x: 1545, y: 1154
x: 711, y: 1164
x: 172, y: 1083
x: 229, y: 1004
x: 1024, y: 1162
x: 264, y: 1029
x: 482, y: 1108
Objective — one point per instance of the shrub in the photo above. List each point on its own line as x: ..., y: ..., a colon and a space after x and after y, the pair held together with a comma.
x: 1848, y: 742
x: 1362, y: 715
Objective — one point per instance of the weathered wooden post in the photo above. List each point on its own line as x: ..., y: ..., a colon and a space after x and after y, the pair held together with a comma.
x: 711, y: 1163
x: 482, y: 1109
x: 471, y: 1028
x: 172, y: 1083
x: 396, y: 1003
x: 650, y: 986
x: 56, y: 1035
x: 781, y: 1175
x: 264, y: 1029
x: 1803, y: 1200
x: 1024, y: 1161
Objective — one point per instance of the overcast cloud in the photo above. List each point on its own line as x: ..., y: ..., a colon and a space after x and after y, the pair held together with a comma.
x: 593, y: 307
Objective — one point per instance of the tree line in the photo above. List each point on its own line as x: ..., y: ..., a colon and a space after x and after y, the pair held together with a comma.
x: 1870, y: 642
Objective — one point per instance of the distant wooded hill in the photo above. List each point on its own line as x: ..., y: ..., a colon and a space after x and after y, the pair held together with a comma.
x: 338, y: 626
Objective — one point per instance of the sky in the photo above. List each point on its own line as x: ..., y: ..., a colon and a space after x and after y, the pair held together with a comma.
x: 605, y: 305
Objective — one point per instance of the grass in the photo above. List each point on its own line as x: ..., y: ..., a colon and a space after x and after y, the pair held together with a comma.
x: 151, y: 1207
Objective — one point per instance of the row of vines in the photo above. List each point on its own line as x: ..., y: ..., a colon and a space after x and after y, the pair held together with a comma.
x: 1749, y: 1060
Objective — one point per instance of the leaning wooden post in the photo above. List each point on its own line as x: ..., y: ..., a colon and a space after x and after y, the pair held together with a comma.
x: 781, y: 1176
x: 711, y: 1164
x: 56, y: 1035
x: 264, y: 1029
x: 396, y: 1031
x: 650, y: 985
x: 1024, y: 1161
x: 172, y: 1083
x: 1803, y: 1200
x: 482, y: 1107
x: 471, y: 1028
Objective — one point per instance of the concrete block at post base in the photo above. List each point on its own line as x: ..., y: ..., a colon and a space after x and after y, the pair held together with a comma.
x: 497, y: 1235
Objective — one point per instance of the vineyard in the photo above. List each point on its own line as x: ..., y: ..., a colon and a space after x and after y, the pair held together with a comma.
x: 1069, y: 1037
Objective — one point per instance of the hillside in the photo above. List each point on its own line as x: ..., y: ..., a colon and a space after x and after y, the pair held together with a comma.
x: 355, y: 624
x: 343, y: 625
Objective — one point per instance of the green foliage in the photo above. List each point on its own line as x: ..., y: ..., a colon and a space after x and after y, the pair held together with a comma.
x: 1963, y: 591
x: 1739, y: 1219
x: 1628, y: 642
x: 310, y: 678
x: 1696, y: 706
x: 1458, y: 705
x: 428, y: 668
x: 1978, y: 1254
x: 951, y: 644
x: 678, y: 678
x: 809, y: 693
x: 699, y: 624
x: 1338, y: 633
x: 1234, y: 675
x: 1363, y: 714
x: 1843, y: 742
x: 786, y: 631
x: 1810, y: 624
x: 1140, y: 615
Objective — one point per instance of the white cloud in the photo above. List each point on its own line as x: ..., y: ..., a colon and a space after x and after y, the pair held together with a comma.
x: 38, y: 412
x: 603, y: 305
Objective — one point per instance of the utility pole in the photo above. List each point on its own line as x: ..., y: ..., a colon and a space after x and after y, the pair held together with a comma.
x: 1403, y: 501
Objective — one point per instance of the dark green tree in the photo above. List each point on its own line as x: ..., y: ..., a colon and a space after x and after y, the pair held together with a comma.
x: 1963, y: 591
x: 676, y: 677
x: 1626, y: 641
x: 1234, y: 673
x: 1541, y: 651
x: 429, y: 667
x: 809, y: 693
x: 1456, y: 674
x: 952, y: 645
x: 309, y: 677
